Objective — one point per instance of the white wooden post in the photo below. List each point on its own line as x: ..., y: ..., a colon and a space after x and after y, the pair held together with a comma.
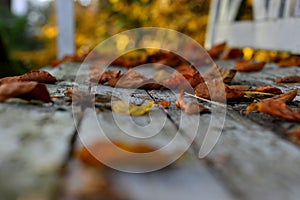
x: 212, y: 23
x: 66, y: 27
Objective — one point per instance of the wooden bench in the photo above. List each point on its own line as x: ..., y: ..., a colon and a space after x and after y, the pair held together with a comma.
x: 275, y: 25
x: 250, y: 161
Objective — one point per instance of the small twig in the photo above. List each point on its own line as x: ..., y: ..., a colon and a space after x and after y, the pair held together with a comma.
x: 206, y: 100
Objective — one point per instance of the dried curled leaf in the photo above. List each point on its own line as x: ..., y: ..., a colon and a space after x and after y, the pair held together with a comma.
x: 292, y: 61
x: 249, y: 66
x: 123, y: 107
x: 34, y: 75
x: 164, y: 104
x: 288, y: 79
x: 220, y: 73
x: 98, y: 76
x: 216, y: 90
x: 286, y: 97
x: 120, y: 153
x: 217, y: 50
x: 232, y: 53
x: 268, y: 89
x: 38, y: 76
x: 74, y: 58
x: 276, y: 109
x: 24, y: 90
x: 190, y: 107
x: 133, y: 79
x: 240, y: 87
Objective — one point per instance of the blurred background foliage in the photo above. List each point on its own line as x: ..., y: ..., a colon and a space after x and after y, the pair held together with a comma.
x: 30, y: 40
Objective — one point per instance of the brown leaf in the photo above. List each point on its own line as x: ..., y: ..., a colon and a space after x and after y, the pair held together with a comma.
x: 292, y: 61
x: 249, y: 66
x: 216, y: 72
x: 74, y: 58
x: 38, y: 76
x: 232, y: 53
x: 288, y: 79
x: 240, y: 87
x: 133, y: 79
x: 286, y: 97
x: 24, y: 90
x: 98, y: 76
x: 294, y: 135
x: 190, y: 107
x: 268, y: 89
x: 34, y: 75
x: 217, y: 91
x: 107, y: 153
x: 276, y: 109
x: 217, y: 50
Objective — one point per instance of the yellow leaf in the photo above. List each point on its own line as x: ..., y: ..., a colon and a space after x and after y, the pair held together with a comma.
x: 124, y: 107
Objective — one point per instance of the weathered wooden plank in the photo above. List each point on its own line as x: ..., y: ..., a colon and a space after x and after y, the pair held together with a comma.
x: 35, y: 142
x: 253, y: 161
x: 186, y: 177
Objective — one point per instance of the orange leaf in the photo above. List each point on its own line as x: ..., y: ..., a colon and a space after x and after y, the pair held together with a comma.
x: 24, y: 90
x: 232, y: 53
x: 276, y: 109
x: 98, y: 76
x: 108, y: 152
x: 288, y: 79
x: 249, y: 66
x: 217, y: 91
x: 240, y: 87
x: 292, y: 61
x: 216, y: 50
x: 286, y: 97
x: 165, y: 104
x: 34, y: 75
x: 268, y: 89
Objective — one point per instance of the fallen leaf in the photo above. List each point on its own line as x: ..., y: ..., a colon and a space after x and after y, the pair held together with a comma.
x: 24, y: 90
x: 249, y: 66
x: 292, y: 61
x: 98, y: 76
x: 288, y: 79
x: 258, y: 95
x: 216, y: 72
x: 286, y: 97
x: 123, y: 107
x: 164, y: 104
x: 190, y: 107
x: 268, y: 89
x: 118, y: 153
x: 232, y: 53
x: 216, y: 50
x: 276, y: 109
x: 240, y: 87
x: 34, y: 75
x: 294, y: 135
x: 133, y: 79
x: 217, y: 91
x: 68, y: 58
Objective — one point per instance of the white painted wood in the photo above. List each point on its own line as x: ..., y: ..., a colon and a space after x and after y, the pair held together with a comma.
x: 273, y: 11
x: 212, y: 23
x: 274, y: 27
x: 259, y: 9
x: 297, y: 9
x: 224, y: 10
x: 66, y: 27
x: 233, y: 9
x: 290, y: 8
